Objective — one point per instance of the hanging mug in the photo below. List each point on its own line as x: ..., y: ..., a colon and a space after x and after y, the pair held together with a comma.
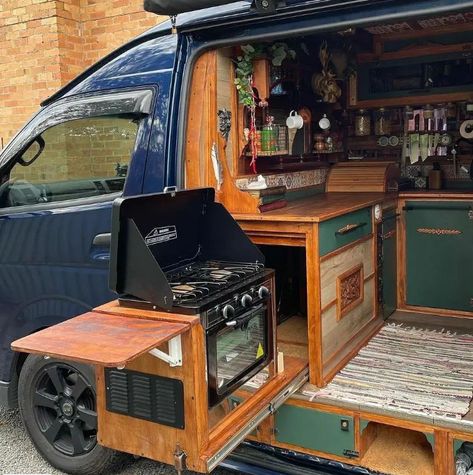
x: 294, y: 121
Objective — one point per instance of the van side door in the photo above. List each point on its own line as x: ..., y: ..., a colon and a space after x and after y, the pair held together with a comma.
x: 58, y: 179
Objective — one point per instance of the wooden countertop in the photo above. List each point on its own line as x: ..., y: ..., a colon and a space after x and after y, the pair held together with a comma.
x: 319, y: 207
x: 437, y: 194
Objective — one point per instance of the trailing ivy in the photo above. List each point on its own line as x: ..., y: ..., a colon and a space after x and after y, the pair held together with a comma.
x: 277, y: 53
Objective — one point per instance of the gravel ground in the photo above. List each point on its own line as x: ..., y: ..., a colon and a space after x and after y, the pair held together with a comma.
x: 18, y: 456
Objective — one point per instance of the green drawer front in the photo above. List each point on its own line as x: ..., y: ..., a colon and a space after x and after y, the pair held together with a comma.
x: 331, y: 235
x: 439, y: 254
x: 315, y: 430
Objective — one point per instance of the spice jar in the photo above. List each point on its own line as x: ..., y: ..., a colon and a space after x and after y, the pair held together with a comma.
x: 382, y: 125
x: 362, y: 123
x: 269, y: 136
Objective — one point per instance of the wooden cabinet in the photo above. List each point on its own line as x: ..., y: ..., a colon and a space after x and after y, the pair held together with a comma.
x: 439, y: 254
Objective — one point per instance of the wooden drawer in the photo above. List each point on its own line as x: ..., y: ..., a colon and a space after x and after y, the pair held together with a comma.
x: 343, y: 230
x: 315, y: 430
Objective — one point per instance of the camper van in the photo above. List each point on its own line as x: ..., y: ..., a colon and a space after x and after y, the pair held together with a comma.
x: 246, y: 238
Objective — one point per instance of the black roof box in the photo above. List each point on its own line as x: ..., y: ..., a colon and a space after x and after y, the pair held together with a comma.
x: 175, y: 7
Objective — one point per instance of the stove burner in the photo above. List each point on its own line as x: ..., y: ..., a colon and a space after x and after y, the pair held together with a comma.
x: 197, y: 281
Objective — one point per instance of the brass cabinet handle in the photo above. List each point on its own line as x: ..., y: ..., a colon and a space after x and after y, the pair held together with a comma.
x: 439, y: 231
x: 349, y: 228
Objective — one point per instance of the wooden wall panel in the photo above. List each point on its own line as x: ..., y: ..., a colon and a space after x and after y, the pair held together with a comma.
x: 337, y: 333
x: 331, y: 268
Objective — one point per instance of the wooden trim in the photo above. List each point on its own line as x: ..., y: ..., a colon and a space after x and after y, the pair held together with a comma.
x: 413, y: 100
x: 357, y: 286
x: 442, y: 312
x: 345, y: 248
x: 314, y: 316
x: 369, y: 277
x: 329, y: 305
x: 442, y: 462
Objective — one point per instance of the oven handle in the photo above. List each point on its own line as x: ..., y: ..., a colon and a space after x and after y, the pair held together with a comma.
x: 245, y: 317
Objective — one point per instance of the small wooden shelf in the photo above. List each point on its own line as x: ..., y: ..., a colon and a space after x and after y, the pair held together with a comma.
x: 98, y: 338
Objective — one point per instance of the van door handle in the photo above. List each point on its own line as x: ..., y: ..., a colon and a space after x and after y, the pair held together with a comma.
x: 102, y: 240
x: 100, y: 248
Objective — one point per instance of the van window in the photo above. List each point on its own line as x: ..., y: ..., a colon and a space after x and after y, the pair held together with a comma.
x: 75, y: 159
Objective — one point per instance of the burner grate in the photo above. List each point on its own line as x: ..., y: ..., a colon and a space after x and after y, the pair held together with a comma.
x: 195, y: 282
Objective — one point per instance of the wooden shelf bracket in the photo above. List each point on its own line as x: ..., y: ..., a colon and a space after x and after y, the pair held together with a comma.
x: 174, y: 358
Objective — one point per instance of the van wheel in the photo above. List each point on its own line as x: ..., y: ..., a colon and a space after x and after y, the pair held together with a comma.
x: 58, y: 407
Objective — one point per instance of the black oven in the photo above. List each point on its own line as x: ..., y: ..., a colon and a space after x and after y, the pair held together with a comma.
x: 240, y: 344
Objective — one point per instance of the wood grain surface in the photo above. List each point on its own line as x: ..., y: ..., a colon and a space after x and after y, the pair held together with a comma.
x: 319, y: 207
x: 97, y: 338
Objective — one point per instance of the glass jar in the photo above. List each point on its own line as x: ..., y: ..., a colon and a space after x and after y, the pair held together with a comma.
x: 362, y: 123
x: 382, y: 125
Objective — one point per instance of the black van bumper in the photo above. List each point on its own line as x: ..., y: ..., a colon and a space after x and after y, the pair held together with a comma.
x: 254, y: 458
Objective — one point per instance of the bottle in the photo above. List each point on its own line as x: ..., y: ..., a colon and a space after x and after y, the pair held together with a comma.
x: 269, y: 136
x: 435, y: 177
x: 362, y: 123
x: 382, y: 125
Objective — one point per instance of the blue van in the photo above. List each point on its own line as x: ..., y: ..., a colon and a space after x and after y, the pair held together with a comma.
x: 118, y: 129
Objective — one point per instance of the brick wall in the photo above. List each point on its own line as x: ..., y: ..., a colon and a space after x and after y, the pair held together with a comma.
x: 46, y: 43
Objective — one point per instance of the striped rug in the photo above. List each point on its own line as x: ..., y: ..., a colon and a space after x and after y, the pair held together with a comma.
x: 420, y: 371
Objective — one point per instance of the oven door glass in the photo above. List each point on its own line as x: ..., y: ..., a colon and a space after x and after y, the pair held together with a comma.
x: 240, y: 349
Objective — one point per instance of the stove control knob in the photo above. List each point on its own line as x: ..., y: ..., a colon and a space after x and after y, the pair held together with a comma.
x: 246, y: 300
x: 228, y: 312
x: 263, y: 292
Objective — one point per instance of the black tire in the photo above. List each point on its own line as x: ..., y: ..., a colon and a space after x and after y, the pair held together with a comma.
x: 57, y: 403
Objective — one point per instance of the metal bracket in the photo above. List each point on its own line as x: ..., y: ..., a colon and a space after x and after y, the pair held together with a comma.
x: 174, y: 358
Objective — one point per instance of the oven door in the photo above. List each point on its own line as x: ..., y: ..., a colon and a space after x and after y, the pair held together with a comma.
x: 237, y: 350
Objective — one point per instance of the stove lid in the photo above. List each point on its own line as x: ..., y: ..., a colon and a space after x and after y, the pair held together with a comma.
x: 153, y: 234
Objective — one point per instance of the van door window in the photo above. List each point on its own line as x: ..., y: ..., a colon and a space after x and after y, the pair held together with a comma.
x: 75, y: 159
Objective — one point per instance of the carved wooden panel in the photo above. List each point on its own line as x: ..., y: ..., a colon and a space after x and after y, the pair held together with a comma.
x: 350, y: 290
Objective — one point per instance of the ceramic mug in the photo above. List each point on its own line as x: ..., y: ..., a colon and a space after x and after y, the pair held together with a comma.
x: 294, y: 121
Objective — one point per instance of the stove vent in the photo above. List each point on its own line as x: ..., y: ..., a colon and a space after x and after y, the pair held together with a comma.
x: 145, y: 396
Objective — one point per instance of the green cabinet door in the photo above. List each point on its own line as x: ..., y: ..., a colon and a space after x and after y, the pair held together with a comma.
x: 439, y: 254
x: 315, y: 430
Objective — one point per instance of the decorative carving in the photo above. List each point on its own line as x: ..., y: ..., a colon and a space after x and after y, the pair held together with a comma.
x: 350, y: 290
x: 224, y: 123
x: 439, y: 231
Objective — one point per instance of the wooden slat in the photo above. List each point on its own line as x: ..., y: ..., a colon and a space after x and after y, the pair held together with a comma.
x: 96, y: 338
x: 361, y: 176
